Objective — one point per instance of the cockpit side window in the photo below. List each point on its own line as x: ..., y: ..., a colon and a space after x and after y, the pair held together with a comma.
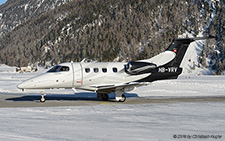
x: 59, y: 69
x: 64, y: 68
x: 55, y: 69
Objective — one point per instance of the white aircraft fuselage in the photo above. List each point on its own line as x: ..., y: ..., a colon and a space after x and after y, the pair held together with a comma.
x: 86, y: 76
x: 116, y: 77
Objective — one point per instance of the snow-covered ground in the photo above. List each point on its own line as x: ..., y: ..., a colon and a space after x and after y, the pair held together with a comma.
x: 161, y: 121
x: 186, y: 86
x: 167, y: 120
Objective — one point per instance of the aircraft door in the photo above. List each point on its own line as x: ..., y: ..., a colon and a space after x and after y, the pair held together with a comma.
x: 78, y: 76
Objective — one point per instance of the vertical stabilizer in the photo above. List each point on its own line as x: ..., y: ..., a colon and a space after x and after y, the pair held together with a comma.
x: 180, y: 46
x: 168, y: 62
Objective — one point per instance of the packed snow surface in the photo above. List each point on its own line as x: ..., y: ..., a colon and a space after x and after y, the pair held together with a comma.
x: 162, y: 121
x: 168, y: 120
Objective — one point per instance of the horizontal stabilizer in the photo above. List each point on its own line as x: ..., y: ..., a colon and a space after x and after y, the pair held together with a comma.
x: 204, y: 38
x: 189, y: 40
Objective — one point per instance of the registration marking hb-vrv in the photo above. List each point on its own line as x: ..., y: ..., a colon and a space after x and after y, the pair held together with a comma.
x: 169, y: 69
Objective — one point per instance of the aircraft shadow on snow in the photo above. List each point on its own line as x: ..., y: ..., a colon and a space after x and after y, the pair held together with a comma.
x: 87, y: 96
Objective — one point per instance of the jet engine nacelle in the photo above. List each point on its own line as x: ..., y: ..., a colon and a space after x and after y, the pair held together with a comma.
x: 136, y: 68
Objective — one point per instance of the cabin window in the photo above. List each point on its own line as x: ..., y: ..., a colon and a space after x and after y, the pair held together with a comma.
x: 104, y: 70
x: 96, y: 70
x: 87, y: 70
x: 114, y: 69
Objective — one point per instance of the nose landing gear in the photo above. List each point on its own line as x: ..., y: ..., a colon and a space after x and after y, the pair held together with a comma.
x: 42, y: 100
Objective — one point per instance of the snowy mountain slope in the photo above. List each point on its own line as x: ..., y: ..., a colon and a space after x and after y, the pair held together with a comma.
x: 190, y: 61
x: 124, y: 30
x: 16, y: 12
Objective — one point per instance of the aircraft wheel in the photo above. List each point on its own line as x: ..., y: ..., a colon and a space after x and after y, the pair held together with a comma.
x: 104, y: 97
x: 42, y: 99
x: 123, y: 99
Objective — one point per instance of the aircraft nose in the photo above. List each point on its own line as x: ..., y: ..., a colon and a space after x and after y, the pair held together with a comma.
x: 24, y: 85
x: 32, y: 83
x: 21, y: 86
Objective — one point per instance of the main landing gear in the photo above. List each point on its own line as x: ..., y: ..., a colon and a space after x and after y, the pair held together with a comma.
x: 122, y: 98
x: 119, y: 96
x: 104, y: 97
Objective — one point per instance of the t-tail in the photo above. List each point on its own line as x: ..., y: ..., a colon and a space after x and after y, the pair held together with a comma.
x: 165, y: 65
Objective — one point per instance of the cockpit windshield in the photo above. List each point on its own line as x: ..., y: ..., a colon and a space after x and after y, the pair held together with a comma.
x: 59, y: 69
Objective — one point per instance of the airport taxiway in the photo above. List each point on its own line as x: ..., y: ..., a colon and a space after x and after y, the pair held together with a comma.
x: 18, y: 100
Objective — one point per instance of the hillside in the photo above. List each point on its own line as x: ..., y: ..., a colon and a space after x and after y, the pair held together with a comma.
x: 114, y: 30
x: 17, y: 12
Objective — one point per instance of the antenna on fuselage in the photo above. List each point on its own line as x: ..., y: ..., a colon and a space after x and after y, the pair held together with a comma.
x: 84, y: 60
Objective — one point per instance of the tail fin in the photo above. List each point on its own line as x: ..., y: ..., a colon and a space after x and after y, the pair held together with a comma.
x: 174, y: 54
x: 167, y: 63
x: 179, y: 46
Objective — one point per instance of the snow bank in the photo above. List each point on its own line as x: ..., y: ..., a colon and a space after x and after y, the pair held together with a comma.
x: 5, y: 68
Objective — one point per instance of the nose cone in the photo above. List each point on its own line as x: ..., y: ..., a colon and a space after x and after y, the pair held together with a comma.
x: 24, y: 85
x: 37, y: 82
x: 20, y: 86
x: 29, y: 84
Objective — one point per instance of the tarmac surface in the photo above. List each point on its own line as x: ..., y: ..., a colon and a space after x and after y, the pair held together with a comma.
x: 13, y: 101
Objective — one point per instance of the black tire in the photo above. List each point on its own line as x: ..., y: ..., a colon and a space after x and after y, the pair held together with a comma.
x: 42, y: 100
x: 123, y: 99
x: 104, y: 97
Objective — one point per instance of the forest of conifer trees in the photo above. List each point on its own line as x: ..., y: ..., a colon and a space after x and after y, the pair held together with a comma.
x: 114, y: 30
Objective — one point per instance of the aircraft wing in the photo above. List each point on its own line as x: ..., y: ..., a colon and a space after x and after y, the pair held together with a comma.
x: 108, y: 88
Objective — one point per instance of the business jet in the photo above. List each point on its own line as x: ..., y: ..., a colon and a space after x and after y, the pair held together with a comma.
x: 113, y: 77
